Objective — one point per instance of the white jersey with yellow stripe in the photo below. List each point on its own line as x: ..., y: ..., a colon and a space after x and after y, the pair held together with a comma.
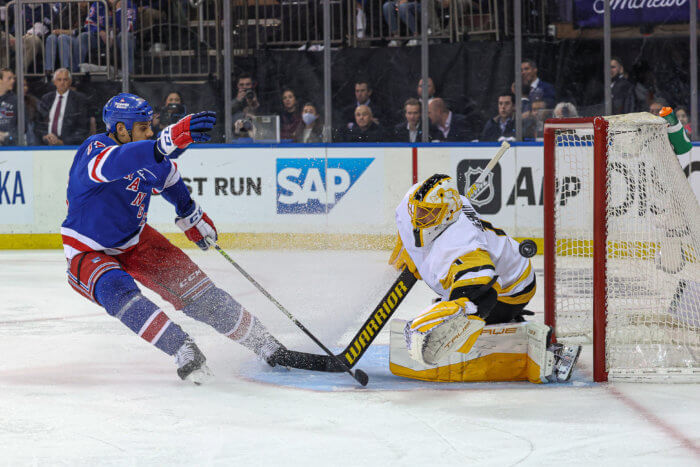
x: 469, y: 252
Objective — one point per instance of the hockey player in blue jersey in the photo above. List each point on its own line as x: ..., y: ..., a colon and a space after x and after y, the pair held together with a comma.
x: 108, y: 242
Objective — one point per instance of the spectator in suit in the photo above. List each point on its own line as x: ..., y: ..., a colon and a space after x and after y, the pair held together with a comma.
x: 365, y: 129
x: 502, y: 126
x: 63, y: 113
x: 410, y: 131
x: 290, y: 117
x: 312, y: 129
x: 533, y: 87
x: 621, y: 89
x: 449, y: 126
x: 363, y: 96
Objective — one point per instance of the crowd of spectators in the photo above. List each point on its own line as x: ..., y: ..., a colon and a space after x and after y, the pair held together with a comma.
x: 368, y: 119
x: 74, y: 36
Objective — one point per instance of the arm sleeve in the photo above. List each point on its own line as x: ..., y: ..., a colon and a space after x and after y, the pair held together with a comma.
x: 176, y: 193
x: 179, y: 196
x: 114, y: 162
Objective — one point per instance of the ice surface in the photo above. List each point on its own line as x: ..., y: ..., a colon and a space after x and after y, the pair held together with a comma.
x: 77, y: 388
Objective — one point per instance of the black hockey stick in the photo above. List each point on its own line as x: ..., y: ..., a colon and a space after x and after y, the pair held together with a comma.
x: 359, y: 375
x: 363, y: 338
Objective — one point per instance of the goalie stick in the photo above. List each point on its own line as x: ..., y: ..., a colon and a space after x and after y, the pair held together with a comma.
x: 386, y: 308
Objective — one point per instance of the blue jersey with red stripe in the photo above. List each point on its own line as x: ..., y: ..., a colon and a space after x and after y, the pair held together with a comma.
x: 109, y: 190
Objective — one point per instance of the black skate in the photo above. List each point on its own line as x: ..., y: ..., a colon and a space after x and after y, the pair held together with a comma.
x: 191, y: 363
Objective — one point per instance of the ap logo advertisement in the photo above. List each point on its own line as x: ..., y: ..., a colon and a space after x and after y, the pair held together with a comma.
x: 316, y: 185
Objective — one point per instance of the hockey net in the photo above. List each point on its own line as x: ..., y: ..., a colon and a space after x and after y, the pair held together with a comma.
x: 622, y: 246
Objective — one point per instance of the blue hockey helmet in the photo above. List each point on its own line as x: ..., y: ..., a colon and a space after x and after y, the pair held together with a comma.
x: 126, y: 108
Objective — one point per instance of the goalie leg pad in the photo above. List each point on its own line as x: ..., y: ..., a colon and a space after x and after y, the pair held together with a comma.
x: 540, y: 361
x: 444, y: 328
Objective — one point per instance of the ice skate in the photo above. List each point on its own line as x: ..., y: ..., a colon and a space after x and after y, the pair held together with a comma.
x: 191, y: 363
x: 565, y: 358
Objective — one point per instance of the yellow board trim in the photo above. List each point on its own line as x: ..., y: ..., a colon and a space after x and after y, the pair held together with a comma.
x: 242, y: 241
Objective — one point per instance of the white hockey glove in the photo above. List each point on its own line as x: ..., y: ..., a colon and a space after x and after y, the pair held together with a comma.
x: 198, y: 227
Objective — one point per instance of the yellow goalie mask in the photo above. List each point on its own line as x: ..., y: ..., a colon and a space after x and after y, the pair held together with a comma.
x: 433, y: 206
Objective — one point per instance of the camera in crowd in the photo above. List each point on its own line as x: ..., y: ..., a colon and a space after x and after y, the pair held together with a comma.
x: 244, y: 127
x: 172, y: 113
x: 250, y: 95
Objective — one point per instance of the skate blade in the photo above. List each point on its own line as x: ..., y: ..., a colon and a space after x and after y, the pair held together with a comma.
x: 200, y: 375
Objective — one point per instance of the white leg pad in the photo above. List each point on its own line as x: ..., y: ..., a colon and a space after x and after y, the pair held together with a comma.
x: 537, y: 349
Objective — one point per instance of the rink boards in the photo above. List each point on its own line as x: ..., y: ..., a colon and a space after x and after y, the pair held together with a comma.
x: 293, y: 196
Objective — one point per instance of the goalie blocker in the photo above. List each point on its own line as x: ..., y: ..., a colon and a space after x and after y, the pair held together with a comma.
x: 502, y: 352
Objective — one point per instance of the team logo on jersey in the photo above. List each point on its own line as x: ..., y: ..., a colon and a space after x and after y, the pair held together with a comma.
x: 95, y: 145
x: 315, y: 186
x: 487, y: 198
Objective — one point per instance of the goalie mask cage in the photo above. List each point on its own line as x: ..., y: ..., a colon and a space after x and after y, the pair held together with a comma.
x: 621, y: 251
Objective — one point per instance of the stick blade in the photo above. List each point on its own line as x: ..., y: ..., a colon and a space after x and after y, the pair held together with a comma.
x: 361, y: 377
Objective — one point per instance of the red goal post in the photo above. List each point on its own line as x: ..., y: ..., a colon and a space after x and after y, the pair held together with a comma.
x: 606, y: 261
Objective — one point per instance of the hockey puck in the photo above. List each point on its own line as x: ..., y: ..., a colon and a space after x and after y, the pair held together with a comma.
x: 528, y: 248
x: 361, y: 377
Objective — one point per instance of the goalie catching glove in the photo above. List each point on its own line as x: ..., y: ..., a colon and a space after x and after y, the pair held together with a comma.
x: 198, y: 227
x: 193, y: 128
x: 444, y: 328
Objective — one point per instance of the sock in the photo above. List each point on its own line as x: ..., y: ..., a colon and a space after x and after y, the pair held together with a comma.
x: 117, y: 292
x: 222, y: 312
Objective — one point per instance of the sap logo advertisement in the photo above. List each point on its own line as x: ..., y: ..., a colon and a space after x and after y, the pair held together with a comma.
x: 315, y: 186
x: 16, y: 188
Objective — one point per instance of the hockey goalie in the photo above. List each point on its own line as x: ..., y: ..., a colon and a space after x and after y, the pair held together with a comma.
x: 476, y: 330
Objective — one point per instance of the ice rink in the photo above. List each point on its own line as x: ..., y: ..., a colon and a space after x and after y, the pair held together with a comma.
x: 78, y: 388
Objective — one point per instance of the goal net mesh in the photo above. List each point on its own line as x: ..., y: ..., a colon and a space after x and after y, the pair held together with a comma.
x: 653, y: 231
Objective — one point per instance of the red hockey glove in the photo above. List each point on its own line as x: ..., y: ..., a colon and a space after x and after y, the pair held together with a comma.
x: 197, y: 227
